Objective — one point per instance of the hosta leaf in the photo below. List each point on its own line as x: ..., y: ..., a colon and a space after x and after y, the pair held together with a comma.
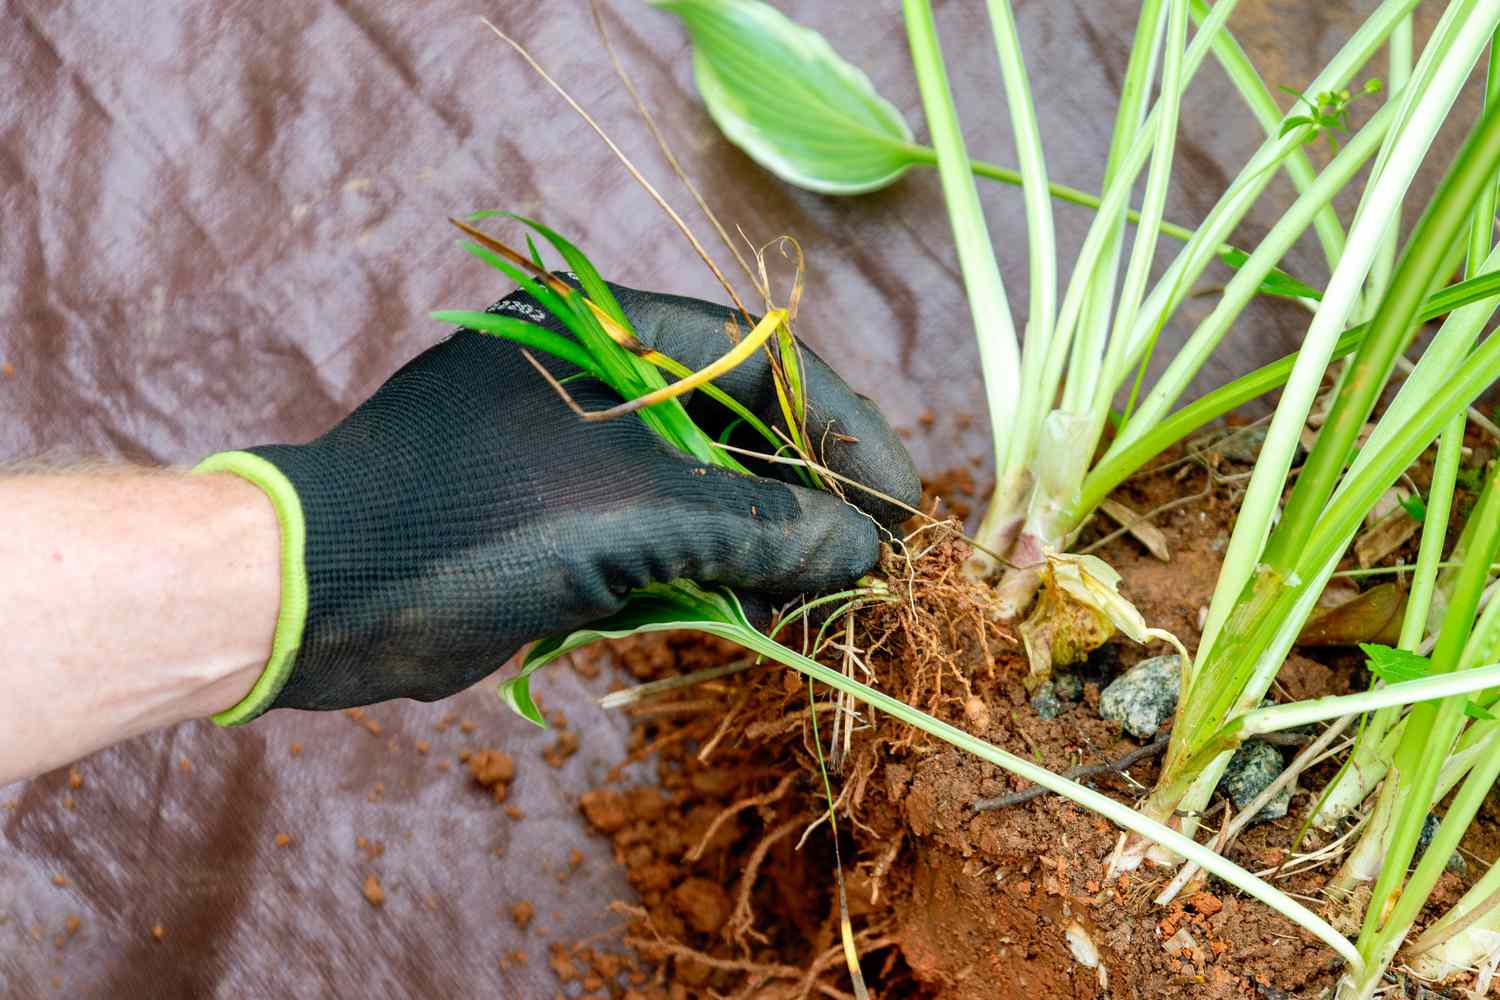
x: 782, y: 94
x: 658, y: 607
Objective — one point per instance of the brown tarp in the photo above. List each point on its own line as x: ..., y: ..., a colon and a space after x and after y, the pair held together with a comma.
x: 222, y: 224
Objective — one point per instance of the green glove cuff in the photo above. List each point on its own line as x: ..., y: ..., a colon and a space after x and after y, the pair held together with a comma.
x: 292, y: 617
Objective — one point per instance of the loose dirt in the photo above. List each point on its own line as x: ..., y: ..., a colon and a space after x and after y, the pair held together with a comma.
x: 373, y: 893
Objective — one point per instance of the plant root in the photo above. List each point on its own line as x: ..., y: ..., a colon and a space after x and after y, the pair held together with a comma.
x: 774, y: 795
x: 741, y: 922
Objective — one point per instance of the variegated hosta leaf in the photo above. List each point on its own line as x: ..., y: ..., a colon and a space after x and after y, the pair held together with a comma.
x: 782, y: 94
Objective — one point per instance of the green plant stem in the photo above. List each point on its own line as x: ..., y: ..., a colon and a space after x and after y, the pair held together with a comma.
x: 1268, y: 618
x: 1415, y: 277
x: 999, y: 353
x: 1277, y: 718
x: 1071, y: 195
x: 1093, y: 284
x: 1431, y: 729
x: 1241, y: 288
x: 1041, y: 240
x: 1232, y: 206
x: 1080, y: 340
x: 1399, y: 72
x: 1356, y: 574
x: 1366, y: 764
x: 1153, y: 203
x: 1459, y: 939
x: 1119, y: 465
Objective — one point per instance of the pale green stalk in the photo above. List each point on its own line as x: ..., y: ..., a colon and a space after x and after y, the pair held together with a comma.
x: 1275, y: 718
x: 1153, y: 206
x: 1381, y: 947
x: 998, y: 352
x: 1096, y: 281
x: 1445, y: 948
x: 1474, y: 749
x: 1395, y: 442
x: 1058, y: 478
x: 1204, y: 340
x: 1040, y: 233
x: 1086, y: 293
x: 1368, y: 759
x: 1114, y: 199
x: 1276, y: 151
x: 1367, y: 762
x: 1231, y: 208
x: 1398, y: 73
x: 1419, y: 762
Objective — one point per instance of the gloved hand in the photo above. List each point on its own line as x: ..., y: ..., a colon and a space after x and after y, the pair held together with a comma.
x: 464, y: 510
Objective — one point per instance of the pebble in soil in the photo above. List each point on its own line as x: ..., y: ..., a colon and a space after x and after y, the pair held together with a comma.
x: 1456, y: 862
x: 1250, y: 771
x: 1049, y: 700
x: 1045, y: 701
x: 1143, y: 697
x: 1067, y: 685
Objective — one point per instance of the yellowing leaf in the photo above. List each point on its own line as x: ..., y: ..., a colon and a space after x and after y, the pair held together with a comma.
x: 1092, y: 582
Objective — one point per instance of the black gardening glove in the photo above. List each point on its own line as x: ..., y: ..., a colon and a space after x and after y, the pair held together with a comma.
x: 464, y: 510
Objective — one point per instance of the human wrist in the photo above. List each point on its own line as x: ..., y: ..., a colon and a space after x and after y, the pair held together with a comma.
x: 226, y: 571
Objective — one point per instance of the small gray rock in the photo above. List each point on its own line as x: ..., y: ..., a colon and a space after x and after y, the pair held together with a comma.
x: 1067, y: 686
x: 1456, y: 862
x: 1251, y: 770
x: 1243, y: 444
x: 1045, y: 701
x: 1143, y: 697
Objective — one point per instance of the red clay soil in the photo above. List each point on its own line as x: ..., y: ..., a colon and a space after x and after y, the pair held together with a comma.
x: 739, y: 899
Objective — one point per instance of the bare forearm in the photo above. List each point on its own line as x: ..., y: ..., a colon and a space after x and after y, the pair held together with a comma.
x: 132, y: 599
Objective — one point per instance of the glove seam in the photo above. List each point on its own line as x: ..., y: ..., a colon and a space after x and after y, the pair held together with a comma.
x: 291, y: 618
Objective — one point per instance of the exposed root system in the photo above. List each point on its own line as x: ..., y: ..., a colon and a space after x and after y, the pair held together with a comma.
x: 734, y: 859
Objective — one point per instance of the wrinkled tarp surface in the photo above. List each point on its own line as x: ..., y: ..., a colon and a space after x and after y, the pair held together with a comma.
x: 222, y: 224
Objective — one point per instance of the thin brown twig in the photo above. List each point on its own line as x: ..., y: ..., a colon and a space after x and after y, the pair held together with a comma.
x: 1086, y: 771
